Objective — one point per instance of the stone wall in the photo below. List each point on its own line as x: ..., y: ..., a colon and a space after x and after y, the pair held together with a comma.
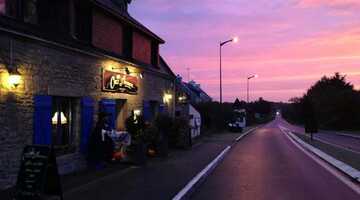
x: 50, y: 70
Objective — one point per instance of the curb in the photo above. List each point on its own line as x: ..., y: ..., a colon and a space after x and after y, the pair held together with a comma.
x: 343, y: 167
x: 201, y: 176
x: 348, y: 135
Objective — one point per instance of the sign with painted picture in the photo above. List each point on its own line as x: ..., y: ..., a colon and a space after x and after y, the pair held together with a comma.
x: 119, y: 82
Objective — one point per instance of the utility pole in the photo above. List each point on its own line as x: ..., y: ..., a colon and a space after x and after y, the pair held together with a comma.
x: 188, y: 74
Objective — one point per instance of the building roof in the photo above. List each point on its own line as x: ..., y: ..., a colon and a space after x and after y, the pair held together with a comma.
x: 121, y: 12
x: 193, y: 90
x: 166, y: 67
x: 197, y: 89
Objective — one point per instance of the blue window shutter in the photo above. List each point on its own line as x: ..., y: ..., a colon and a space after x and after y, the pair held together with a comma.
x: 108, y: 106
x: 146, y: 111
x: 42, y: 120
x: 161, y: 108
x: 87, y: 115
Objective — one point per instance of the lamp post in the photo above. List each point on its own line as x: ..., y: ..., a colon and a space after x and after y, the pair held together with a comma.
x: 248, y: 80
x: 235, y: 40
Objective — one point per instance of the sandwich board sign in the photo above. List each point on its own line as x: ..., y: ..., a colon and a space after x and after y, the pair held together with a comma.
x: 38, y: 176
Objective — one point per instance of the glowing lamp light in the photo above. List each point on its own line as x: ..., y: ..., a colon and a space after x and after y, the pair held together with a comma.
x: 63, y: 119
x: 137, y: 112
x: 256, y: 76
x: 14, y: 78
x: 235, y: 39
x: 167, y: 98
x: 183, y: 98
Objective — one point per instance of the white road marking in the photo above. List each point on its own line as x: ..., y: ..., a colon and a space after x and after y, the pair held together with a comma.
x: 210, y: 167
x: 325, y: 165
x: 245, y: 134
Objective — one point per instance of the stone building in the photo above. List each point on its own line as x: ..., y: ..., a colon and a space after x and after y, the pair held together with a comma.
x: 64, y: 61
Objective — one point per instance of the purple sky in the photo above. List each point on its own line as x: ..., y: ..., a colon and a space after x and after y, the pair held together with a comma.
x: 289, y: 43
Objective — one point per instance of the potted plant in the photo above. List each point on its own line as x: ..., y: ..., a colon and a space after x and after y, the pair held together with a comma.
x: 164, y: 124
x: 135, y: 126
x: 180, y: 133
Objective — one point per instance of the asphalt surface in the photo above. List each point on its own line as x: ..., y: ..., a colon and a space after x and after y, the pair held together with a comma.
x: 267, y: 165
x: 345, y: 142
x: 160, y: 179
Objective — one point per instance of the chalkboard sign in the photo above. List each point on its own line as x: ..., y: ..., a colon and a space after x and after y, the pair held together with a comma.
x: 38, y: 175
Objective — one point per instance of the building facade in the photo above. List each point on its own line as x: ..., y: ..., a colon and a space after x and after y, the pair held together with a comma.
x: 64, y: 61
x: 190, y: 92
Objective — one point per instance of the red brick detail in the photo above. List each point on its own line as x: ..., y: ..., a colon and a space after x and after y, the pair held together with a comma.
x: 107, y: 33
x: 141, y: 48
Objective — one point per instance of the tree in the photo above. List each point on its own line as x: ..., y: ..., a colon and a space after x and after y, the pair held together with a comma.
x: 335, y: 101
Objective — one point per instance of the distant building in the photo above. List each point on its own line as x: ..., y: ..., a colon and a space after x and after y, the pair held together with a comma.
x: 191, y: 92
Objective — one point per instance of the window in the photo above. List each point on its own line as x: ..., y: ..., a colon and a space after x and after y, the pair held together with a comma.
x: 80, y: 20
x: 26, y: 10
x: 155, y: 54
x: 9, y: 7
x: 63, y: 122
x: 128, y: 42
x: 2, y: 7
x: 30, y: 11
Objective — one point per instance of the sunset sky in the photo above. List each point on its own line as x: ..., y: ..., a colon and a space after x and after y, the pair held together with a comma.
x: 289, y: 43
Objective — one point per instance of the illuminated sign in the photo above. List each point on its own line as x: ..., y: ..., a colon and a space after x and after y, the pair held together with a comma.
x: 119, y: 82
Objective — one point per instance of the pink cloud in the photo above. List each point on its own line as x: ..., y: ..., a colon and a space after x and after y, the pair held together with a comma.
x: 338, y: 4
x: 289, y: 46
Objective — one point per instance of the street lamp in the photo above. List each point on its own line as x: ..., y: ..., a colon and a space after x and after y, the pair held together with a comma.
x: 235, y: 40
x: 248, y: 80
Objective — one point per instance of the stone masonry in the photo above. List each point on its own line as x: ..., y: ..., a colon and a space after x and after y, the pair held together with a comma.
x: 48, y: 69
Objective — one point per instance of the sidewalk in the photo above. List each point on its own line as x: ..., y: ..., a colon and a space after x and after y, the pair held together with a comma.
x: 160, y: 179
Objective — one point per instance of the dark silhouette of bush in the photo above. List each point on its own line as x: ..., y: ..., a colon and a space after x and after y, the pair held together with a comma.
x: 336, y: 104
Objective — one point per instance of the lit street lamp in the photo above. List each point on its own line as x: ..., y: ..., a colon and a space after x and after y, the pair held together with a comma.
x: 235, y: 40
x: 248, y: 80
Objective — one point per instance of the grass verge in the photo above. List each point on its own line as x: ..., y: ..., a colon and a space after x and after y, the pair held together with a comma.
x: 350, y: 158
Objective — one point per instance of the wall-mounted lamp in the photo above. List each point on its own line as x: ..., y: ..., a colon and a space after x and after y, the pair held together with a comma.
x: 182, y: 98
x: 167, y: 98
x: 14, y: 77
x: 56, y: 116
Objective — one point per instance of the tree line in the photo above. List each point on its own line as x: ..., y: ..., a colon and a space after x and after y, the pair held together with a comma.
x: 335, y: 101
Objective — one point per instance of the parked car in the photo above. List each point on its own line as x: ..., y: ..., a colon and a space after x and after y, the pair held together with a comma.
x: 239, y: 121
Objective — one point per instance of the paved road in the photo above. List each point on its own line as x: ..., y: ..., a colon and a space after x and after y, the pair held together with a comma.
x: 266, y: 165
x: 161, y: 179
x: 344, y: 142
